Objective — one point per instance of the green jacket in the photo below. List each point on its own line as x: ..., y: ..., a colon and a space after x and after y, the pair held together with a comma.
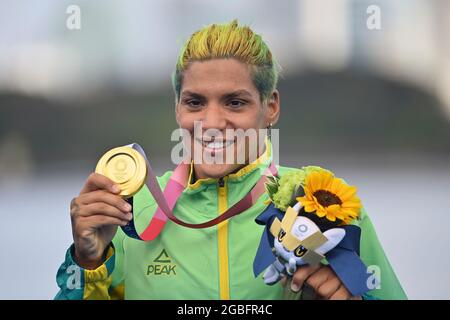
x: 211, y: 263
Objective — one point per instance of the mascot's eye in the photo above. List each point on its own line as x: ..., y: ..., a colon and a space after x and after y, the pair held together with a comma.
x: 281, y: 235
x: 300, y: 251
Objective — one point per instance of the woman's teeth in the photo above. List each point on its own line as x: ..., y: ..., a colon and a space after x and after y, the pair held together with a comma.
x: 217, y: 144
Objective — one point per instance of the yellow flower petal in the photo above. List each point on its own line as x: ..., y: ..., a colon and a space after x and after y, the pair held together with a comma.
x: 327, y: 179
x: 321, y: 212
x: 314, y: 181
x: 308, y: 201
x: 350, y: 213
x: 336, y: 186
x: 305, y: 199
x: 333, y: 209
x: 352, y: 204
x: 349, y: 192
x: 340, y: 215
x: 310, y: 207
x: 307, y: 190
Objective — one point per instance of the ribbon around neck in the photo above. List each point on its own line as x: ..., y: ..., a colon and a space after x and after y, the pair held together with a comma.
x: 174, y: 188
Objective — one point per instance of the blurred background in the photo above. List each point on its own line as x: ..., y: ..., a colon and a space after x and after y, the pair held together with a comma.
x: 365, y: 92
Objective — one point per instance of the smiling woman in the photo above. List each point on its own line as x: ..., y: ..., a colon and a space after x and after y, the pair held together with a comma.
x: 225, y: 79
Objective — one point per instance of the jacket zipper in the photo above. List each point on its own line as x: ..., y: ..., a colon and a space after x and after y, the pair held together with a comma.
x: 222, y: 237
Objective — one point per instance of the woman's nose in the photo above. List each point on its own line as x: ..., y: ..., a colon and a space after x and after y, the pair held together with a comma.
x: 214, y: 118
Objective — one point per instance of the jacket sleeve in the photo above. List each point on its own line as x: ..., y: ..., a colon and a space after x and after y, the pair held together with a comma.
x: 373, y: 255
x: 103, y: 283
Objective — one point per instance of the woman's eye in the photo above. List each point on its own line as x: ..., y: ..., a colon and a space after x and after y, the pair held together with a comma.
x: 236, y: 103
x: 193, y: 103
x: 281, y: 235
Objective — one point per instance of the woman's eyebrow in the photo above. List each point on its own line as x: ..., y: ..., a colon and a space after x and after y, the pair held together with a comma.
x: 226, y: 96
x: 191, y: 94
x: 235, y: 94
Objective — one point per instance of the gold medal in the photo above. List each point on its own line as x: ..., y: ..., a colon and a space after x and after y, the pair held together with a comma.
x: 126, y: 167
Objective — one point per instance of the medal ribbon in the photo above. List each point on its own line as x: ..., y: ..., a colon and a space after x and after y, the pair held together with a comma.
x: 174, y: 188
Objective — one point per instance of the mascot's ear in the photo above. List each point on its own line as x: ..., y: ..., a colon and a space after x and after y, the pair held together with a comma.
x: 334, y: 236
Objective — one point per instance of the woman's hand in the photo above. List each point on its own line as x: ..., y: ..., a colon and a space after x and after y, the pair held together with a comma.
x: 95, y: 215
x: 323, y: 280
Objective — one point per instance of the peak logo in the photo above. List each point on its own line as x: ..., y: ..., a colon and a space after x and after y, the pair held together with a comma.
x: 162, y: 265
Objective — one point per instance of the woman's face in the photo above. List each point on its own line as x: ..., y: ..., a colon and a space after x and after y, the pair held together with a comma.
x: 220, y: 95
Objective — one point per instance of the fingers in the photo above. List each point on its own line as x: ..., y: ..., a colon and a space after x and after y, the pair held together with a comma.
x: 300, y: 276
x: 319, y: 277
x: 341, y: 294
x: 327, y: 284
x: 101, y: 220
x: 324, y: 285
x: 102, y: 208
x: 97, y: 181
x: 106, y: 197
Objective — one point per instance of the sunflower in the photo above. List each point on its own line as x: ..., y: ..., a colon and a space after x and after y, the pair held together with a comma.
x: 330, y: 197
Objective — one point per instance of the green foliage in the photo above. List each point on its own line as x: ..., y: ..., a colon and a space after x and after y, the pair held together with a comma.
x: 284, y: 191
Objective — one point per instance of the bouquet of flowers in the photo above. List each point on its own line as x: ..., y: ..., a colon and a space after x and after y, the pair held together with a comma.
x: 310, y: 220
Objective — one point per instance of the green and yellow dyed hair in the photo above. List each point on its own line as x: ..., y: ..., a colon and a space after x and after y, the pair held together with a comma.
x: 230, y: 41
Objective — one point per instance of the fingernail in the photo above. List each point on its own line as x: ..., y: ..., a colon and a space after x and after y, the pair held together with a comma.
x: 295, y: 287
x: 127, y: 207
x: 129, y: 216
x: 115, y: 188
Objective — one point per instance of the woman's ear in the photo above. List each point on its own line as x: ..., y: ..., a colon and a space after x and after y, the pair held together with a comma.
x: 273, y: 108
